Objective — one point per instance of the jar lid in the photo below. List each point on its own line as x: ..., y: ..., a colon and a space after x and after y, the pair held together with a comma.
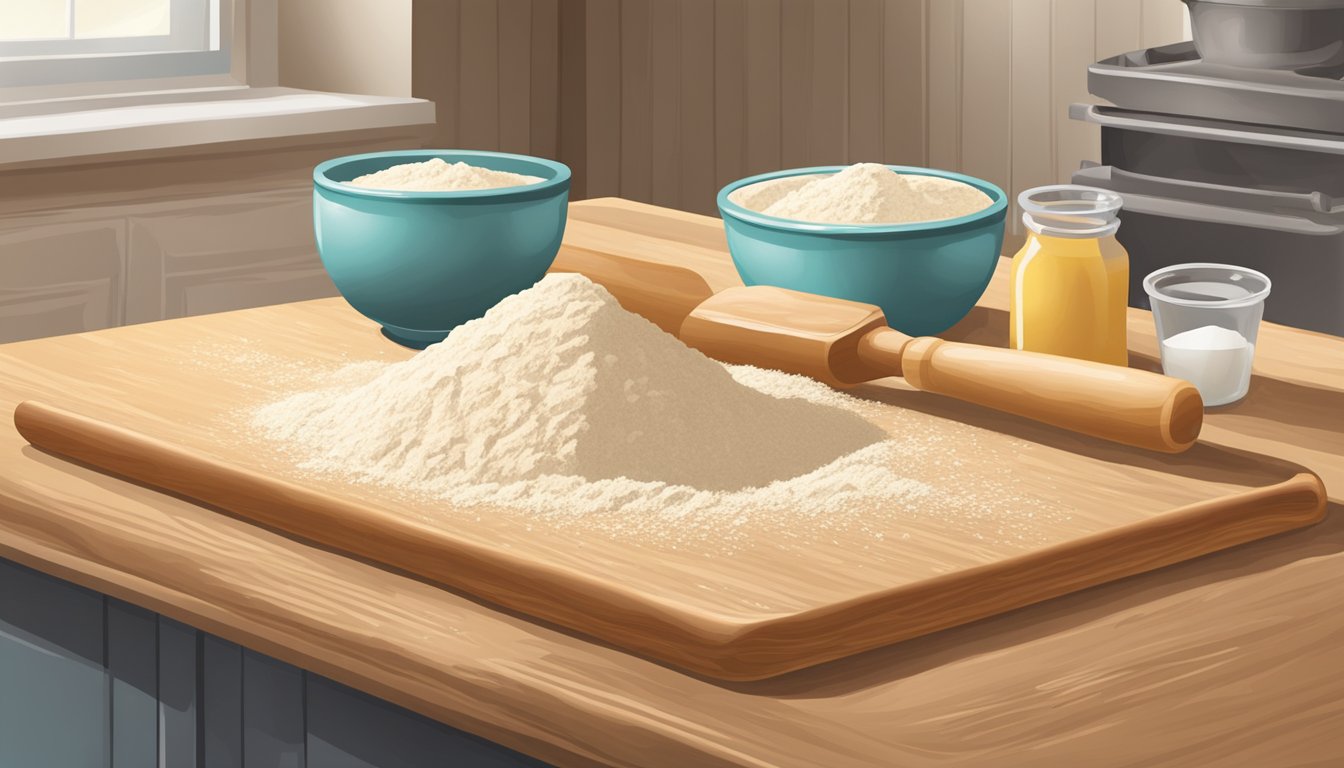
x: 1070, y: 210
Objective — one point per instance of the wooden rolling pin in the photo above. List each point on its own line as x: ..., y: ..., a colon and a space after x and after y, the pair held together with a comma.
x: 846, y: 343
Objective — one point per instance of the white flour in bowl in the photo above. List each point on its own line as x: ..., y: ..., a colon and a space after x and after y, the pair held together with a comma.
x: 866, y: 193
x: 437, y: 175
x: 562, y: 408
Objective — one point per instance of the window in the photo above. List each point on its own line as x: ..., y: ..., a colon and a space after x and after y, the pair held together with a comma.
x: 50, y: 42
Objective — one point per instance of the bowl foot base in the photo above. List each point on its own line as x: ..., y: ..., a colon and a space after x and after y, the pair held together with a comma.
x: 414, y: 339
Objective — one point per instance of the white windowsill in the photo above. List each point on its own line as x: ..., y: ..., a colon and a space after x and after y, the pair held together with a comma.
x: 39, y: 131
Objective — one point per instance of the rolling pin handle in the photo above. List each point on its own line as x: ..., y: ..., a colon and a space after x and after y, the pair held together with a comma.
x: 1139, y: 408
x: 882, y: 350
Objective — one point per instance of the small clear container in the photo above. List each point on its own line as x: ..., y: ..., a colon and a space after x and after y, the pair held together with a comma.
x: 1208, y: 317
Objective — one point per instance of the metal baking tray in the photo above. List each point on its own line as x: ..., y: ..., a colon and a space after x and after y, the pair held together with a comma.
x: 1173, y: 80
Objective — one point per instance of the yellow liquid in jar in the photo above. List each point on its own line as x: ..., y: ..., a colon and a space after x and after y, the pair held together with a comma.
x: 1069, y: 297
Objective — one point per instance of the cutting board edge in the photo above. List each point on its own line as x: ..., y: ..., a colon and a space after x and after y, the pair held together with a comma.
x: 1302, y: 500
x: 707, y: 643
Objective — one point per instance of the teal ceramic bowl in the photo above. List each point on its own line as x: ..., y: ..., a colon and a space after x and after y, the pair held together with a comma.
x: 925, y: 276
x: 422, y: 263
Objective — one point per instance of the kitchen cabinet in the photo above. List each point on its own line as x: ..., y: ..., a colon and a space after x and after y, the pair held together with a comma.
x: 88, y: 680
x: 61, y: 277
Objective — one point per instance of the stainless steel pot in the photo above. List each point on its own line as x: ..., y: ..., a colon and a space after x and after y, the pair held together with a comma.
x: 1269, y: 34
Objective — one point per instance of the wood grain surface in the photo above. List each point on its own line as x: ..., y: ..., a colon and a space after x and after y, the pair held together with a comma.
x: 1232, y: 659
x: 998, y: 531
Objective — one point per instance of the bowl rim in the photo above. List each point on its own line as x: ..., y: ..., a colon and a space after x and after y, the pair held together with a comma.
x: 998, y: 208
x: 560, y: 178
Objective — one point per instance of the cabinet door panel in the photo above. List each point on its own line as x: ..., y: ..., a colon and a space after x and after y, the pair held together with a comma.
x: 349, y: 729
x: 53, y: 689
x: 222, y: 703
x: 177, y: 694
x: 133, y: 672
x: 63, y: 278
x: 273, y: 732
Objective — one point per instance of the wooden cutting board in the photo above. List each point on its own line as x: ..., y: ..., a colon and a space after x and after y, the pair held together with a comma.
x: 1021, y: 512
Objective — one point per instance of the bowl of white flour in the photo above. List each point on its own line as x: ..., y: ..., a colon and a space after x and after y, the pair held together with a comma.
x: 422, y: 241
x: 920, y: 243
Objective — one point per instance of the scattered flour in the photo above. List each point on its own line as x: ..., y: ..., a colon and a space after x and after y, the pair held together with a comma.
x: 1216, y: 360
x: 436, y: 175
x: 866, y: 193
x: 562, y: 409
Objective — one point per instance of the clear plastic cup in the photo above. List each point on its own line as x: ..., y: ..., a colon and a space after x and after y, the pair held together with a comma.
x: 1208, y: 317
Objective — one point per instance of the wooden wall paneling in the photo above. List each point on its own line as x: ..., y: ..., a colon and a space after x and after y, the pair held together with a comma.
x: 545, y: 83
x: 697, y: 105
x: 515, y: 75
x: 904, y: 82
x: 221, y: 703
x: 61, y: 277
x: 730, y: 91
x: 273, y: 729
x: 830, y: 73
x: 177, y: 693
x: 1072, y: 50
x: 1032, y: 122
x: 943, y: 38
x: 665, y: 102
x: 1118, y: 25
x: 865, y: 82
x: 133, y: 673
x: 764, y: 118
x: 51, y: 650
x: 1162, y: 22
x: 796, y: 18
x: 636, y: 99
x: 603, y: 37
x: 572, y: 142
x: 986, y: 92
x: 478, y: 41
x: 434, y: 64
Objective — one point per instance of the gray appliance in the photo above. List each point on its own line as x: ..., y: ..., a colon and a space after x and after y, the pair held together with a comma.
x: 1229, y: 164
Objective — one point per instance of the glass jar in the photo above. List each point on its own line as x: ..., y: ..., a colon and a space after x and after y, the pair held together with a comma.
x: 1070, y: 281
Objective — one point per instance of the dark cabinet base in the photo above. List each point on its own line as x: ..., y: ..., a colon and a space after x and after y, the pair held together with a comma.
x: 87, y: 680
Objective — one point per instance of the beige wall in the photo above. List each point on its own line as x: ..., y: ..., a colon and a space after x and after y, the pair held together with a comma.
x: 349, y: 46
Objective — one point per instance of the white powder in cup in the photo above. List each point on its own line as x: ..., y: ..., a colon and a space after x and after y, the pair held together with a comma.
x: 1216, y: 360
x: 436, y: 175
x: 866, y: 193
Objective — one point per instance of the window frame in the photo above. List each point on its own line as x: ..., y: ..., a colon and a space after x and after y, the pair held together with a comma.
x: 26, y: 64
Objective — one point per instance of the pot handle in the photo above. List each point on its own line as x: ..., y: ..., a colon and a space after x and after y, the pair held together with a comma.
x: 1222, y: 194
x: 1173, y: 198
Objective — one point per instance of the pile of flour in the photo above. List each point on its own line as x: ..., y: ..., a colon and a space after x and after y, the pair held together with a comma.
x: 436, y: 175
x: 866, y: 193
x: 561, y: 403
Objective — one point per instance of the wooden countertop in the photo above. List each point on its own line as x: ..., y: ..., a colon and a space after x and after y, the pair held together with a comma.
x: 1235, y: 658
